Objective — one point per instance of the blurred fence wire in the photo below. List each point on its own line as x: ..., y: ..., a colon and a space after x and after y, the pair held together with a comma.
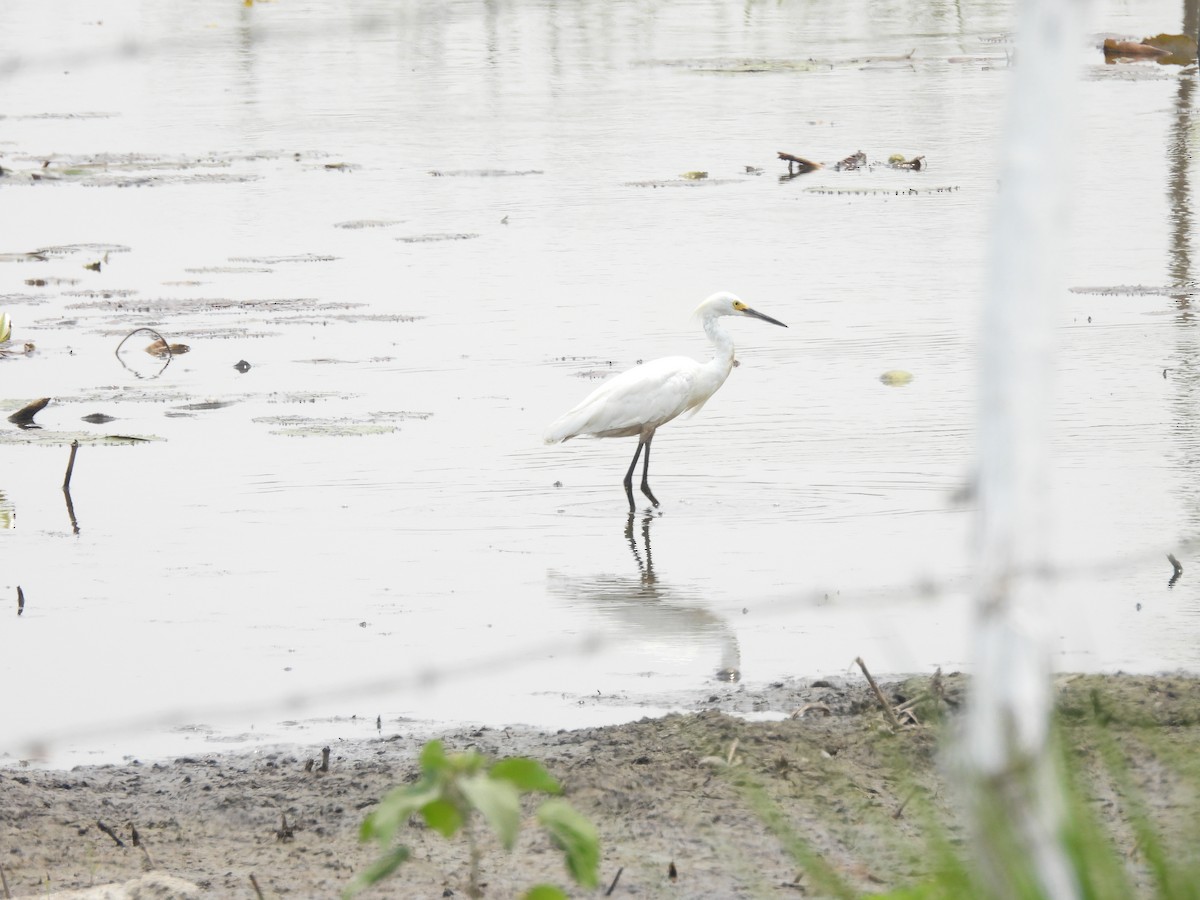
x: 1013, y: 404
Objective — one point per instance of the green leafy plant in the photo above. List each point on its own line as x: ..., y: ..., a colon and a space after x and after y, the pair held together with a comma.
x: 456, y: 788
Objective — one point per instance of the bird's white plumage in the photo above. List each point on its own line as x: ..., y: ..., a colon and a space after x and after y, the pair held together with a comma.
x: 638, y: 400
x: 642, y: 399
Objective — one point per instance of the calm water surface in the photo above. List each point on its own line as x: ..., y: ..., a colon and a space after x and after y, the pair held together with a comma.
x: 367, y: 523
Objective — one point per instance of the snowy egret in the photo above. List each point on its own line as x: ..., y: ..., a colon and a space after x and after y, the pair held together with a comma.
x: 638, y: 401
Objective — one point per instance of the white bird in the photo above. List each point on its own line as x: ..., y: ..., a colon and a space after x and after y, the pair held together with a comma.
x: 638, y: 401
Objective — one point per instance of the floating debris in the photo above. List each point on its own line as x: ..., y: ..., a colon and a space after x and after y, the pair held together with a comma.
x: 59, y: 115
x: 433, y: 238
x: 26, y: 349
x: 23, y: 417
x: 896, y: 378
x: 897, y: 161
x: 694, y: 176
x: 161, y: 348
x: 483, y: 173
x: 1140, y: 290
x: 99, y: 418
x: 229, y: 270
x: 803, y: 166
x: 367, y: 223
x: 201, y: 405
x: 242, y: 366
x: 71, y: 249
x: 277, y: 260
x: 852, y: 162
x: 32, y: 256
x: 744, y: 65
x: 1168, y: 49
x: 881, y: 192
x: 683, y: 182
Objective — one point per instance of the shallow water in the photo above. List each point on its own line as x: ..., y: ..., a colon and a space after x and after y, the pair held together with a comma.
x: 429, y: 231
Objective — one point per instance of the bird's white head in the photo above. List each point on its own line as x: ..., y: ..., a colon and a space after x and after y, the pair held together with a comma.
x: 724, y: 303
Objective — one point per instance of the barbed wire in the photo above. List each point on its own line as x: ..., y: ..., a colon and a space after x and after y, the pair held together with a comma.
x: 592, y: 642
x: 480, y: 668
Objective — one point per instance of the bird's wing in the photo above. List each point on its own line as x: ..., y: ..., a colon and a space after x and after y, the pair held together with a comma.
x: 644, y: 397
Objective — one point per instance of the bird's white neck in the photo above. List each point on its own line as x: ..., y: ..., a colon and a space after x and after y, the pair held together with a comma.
x: 721, y: 341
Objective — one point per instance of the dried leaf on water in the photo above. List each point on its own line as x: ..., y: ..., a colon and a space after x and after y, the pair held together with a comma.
x: 162, y: 348
x: 1113, y: 47
x: 1174, y: 49
x: 852, y: 162
x: 896, y: 377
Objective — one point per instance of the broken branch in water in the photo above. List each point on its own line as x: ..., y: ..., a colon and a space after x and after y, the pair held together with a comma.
x: 1177, y: 567
x: 887, y: 707
x: 23, y: 417
x: 20, y: 600
x: 804, y: 165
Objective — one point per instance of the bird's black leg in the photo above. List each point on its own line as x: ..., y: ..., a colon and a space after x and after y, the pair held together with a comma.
x: 629, y: 476
x: 646, y: 473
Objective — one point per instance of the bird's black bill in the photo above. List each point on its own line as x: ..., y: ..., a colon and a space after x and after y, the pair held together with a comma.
x: 758, y: 315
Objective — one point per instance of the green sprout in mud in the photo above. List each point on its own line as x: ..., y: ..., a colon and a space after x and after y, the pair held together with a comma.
x: 452, y: 789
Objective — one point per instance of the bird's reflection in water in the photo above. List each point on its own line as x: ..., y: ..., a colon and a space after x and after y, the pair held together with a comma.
x: 642, y: 610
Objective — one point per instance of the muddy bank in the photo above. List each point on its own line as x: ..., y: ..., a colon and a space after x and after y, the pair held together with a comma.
x: 687, y: 790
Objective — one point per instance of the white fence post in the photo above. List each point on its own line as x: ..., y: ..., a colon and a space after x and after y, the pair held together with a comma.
x: 1012, y: 777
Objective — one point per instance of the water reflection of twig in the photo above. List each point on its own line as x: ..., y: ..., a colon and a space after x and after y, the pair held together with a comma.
x: 71, y: 510
x: 66, y: 486
x: 646, y: 611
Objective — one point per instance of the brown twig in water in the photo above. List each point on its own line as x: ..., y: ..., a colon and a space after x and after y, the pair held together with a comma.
x: 257, y: 890
x: 887, y: 707
x: 20, y: 600
x: 70, y: 466
x: 112, y: 834
x: 1177, y: 567
x: 613, y: 886
x: 803, y: 165
x: 4, y: 882
x: 324, y: 760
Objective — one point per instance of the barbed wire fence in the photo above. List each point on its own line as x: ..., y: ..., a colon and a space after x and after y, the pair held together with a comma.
x: 595, y: 641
